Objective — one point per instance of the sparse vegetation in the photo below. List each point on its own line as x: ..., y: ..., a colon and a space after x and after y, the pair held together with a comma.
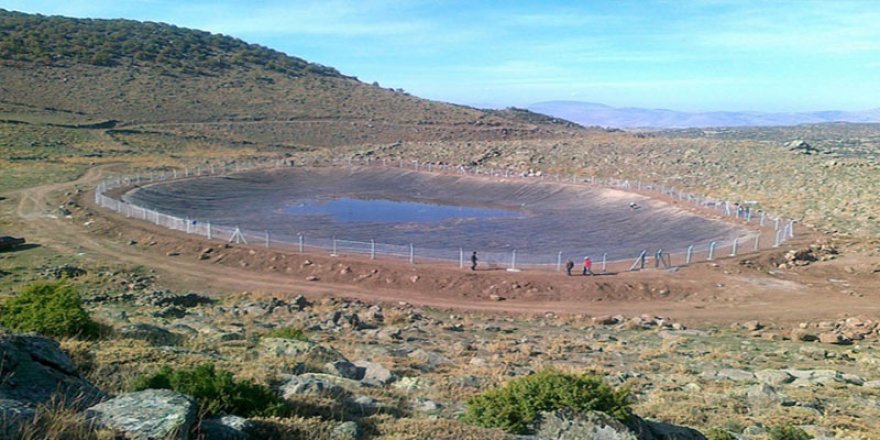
x: 514, y: 406
x: 788, y: 432
x: 719, y: 434
x: 294, y: 333
x: 52, y: 309
x: 217, y: 391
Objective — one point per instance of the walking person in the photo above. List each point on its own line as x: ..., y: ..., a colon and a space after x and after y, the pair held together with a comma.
x: 569, y: 265
x: 474, y: 261
x: 588, y: 266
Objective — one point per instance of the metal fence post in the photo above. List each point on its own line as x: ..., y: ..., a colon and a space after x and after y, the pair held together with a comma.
x: 209, y: 230
x: 301, y: 242
x: 711, y: 251
x: 762, y: 218
x: 372, y: 249
x: 187, y: 225
x: 412, y: 254
x: 733, y: 251
x: 267, y: 239
x: 604, y: 261
x: 334, y: 248
x: 791, y: 229
x: 690, y: 253
x: 460, y: 258
x: 512, y: 267
x: 748, y: 215
x: 559, y: 261
x: 776, y: 224
x: 776, y: 239
x: 757, y: 241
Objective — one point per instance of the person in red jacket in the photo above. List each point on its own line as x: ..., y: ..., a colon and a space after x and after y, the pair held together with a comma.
x: 588, y: 266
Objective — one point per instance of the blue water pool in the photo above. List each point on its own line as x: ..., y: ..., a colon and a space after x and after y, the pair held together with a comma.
x: 348, y: 210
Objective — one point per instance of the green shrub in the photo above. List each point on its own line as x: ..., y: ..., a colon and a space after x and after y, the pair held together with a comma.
x: 51, y: 309
x: 788, y: 432
x: 719, y: 434
x: 514, y: 406
x: 217, y: 391
x: 294, y: 333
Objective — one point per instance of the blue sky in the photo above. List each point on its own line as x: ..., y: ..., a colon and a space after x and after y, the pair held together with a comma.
x: 796, y: 55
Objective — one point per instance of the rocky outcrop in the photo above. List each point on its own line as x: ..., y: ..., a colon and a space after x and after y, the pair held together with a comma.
x: 568, y: 425
x: 146, y: 415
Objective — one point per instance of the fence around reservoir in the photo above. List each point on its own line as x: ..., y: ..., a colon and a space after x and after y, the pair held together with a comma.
x: 769, y: 230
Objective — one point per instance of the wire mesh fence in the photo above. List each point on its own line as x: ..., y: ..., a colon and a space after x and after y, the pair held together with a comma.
x: 769, y: 230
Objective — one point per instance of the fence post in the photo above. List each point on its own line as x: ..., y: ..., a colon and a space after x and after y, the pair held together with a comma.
x: 512, y: 267
x: 762, y: 218
x: 301, y: 242
x: 412, y: 254
x: 559, y: 261
x: 657, y: 257
x: 791, y: 229
x: 267, y: 239
x: 776, y: 224
x: 604, y: 261
x: 758, y: 242
x: 733, y: 251
x: 187, y: 225
x: 748, y: 214
x: 209, y: 230
x: 334, y: 254
x: 690, y: 253
x: 460, y: 258
x: 776, y: 239
x: 372, y: 249
x: 711, y: 251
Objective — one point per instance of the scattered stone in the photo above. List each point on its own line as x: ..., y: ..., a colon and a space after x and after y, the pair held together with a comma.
x: 496, y: 297
x: 172, y: 312
x: 312, y: 278
x: 774, y: 377
x: 835, y: 338
x: 14, y: 415
x: 63, y: 271
x: 567, y: 425
x: 299, y: 351
x: 800, y: 334
x: 733, y: 374
x: 148, y: 414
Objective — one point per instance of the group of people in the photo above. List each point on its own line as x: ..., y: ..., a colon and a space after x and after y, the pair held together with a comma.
x: 569, y: 265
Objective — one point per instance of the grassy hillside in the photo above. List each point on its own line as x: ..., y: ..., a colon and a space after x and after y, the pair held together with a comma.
x: 149, y: 73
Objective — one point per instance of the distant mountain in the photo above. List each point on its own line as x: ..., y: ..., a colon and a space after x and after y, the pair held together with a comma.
x: 593, y: 114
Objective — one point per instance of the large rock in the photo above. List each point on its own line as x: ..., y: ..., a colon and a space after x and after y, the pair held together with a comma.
x: 146, y: 415
x: 653, y: 430
x: 345, y: 369
x: 33, y: 370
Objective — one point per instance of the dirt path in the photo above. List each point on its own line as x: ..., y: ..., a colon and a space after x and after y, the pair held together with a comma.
x: 720, y: 292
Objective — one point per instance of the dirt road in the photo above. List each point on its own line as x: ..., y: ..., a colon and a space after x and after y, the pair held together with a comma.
x: 746, y: 288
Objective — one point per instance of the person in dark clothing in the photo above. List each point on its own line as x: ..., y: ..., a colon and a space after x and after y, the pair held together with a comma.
x: 474, y: 261
x: 569, y: 265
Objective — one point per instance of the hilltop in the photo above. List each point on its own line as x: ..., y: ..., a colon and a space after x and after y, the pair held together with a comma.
x: 139, y: 73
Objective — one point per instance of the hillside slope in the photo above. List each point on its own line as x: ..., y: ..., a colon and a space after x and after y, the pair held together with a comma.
x: 150, y: 73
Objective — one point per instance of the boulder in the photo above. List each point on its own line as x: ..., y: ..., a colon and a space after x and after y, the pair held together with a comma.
x: 375, y: 374
x: 834, y: 338
x: 345, y: 431
x: 567, y: 425
x: 653, y: 430
x: 310, y: 385
x: 774, y: 377
x: 226, y: 428
x: 805, y: 335
x: 33, y: 370
x: 299, y: 351
x: 146, y: 415
x: 345, y: 369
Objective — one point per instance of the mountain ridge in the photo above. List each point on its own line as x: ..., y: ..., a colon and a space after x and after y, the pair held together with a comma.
x: 596, y: 114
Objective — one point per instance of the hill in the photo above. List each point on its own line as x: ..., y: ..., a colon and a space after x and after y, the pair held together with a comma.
x: 592, y: 114
x: 144, y: 74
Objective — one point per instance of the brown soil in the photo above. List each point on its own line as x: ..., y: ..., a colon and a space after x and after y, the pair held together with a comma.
x: 734, y: 289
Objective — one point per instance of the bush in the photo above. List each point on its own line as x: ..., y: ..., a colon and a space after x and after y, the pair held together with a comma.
x: 294, y: 333
x: 517, y: 404
x: 217, y: 391
x: 51, y: 309
x: 788, y: 432
x: 719, y: 434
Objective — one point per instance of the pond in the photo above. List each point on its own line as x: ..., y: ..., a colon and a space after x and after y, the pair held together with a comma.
x: 350, y: 210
